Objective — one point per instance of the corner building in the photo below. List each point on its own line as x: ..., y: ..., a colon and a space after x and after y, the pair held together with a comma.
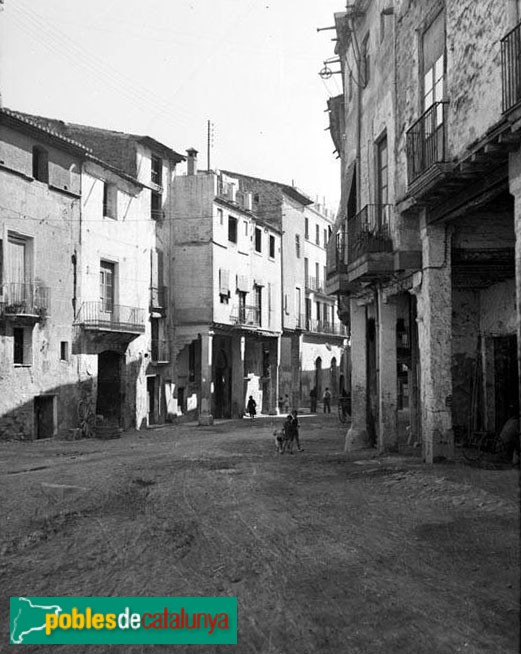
x: 427, y: 242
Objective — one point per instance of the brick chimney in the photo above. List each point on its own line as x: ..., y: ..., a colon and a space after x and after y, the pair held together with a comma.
x: 191, y: 163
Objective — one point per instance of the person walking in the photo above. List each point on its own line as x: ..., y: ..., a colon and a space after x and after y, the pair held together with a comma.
x: 251, y: 407
x: 291, y: 429
x: 326, y: 398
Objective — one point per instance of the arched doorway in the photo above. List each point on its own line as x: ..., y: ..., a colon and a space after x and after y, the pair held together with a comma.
x: 318, y: 376
x: 108, y: 401
x: 222, y: 387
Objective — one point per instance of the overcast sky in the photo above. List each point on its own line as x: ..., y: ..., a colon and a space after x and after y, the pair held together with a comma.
x: 164, y: 67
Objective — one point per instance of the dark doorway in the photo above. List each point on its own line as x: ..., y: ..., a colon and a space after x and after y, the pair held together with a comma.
x: 222, y: 386
x: 44, y: 416
x: 151, y: 400
x: 108, y: 402
x: 506, y: 379
x: 318, y: 376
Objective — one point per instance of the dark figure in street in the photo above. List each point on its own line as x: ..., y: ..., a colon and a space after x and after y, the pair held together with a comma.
x: 313, y: 400
x: 251, y: 407
x: 509, y: 437
x: 326, y: 398
x: 291, y: 431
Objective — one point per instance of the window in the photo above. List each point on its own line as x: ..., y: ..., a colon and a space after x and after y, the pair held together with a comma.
x: 365, y: 67
x: 434, y: 65
x: 232, y: 229
x: 382, y: 182
x: 157, y: 168
x: 325, y: 237
x: 306, y: 232
x: 18, y: 333
x: 318, y: 311
x: 224, y: 286
x: 306, y: 271
x: 242, y: 306
x: 107, y: 270
x: 22, y: 346
x: 317, y: 234
x: 258, y: 239
x: 109, y: 200
x: 317, y: 274
x: 19, y: 269
x: 298, y: 300
x: 245, y: 227
x: 40, y: 164
x: 220, y: 216
x: 156, y: 202
x: 272, y: 247
x: 258, y: 304
x: 64, y: 351
x: 297, y: 246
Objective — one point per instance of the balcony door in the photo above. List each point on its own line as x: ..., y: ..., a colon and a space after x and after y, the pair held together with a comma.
x: 107, y: 271
x: 17, y: 270
x: 434, y: 88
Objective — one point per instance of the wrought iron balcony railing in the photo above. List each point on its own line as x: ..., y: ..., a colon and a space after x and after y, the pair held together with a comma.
x: 314, y: 284
x: 158, y: 297
x: 246, y: 315
x: 427, y: 141
x: 159, y: 351
x: 369, y: 231
x: 511, y: 68
x: 325, y: 327
x: 105, y: 316
x: 24, y: 299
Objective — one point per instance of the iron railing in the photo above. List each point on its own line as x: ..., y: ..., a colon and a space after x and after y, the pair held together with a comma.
x: 159, y: 350
x: 511, y: 68
x: 245, y: 315
x: 427, y: 141
x: 111, y: 317
x: 369, y: 231
x: 158, y: 297
x: 325, y: 327
x: 18, y: 299
x: 314, y: 284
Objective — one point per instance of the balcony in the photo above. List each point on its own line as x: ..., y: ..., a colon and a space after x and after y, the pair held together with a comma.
x: 24, y: 302
x: 159, y: 351
x: 158, y: 298
x: 324, y: 327
x: 511, y: 69
x: 427, y: 155
x: 370, y: 245
x: 314, y: 284
x: 247, y: 316
x: 116, y: 318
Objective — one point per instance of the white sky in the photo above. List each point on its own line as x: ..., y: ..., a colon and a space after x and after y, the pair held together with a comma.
x: 164, y: 67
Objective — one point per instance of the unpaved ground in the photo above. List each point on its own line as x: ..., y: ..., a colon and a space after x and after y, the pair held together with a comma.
x: 324, y: 554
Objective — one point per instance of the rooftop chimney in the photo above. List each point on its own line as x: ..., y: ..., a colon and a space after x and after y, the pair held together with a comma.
x: 191, y: 164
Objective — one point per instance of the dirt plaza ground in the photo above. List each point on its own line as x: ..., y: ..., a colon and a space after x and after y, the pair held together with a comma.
x: 325, y: 552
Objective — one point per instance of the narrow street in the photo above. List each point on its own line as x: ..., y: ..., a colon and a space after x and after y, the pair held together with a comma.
x: 324, y: 553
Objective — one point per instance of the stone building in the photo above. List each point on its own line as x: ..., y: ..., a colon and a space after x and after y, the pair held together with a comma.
x: 428, y: 238
x: 84, y: 334
x: 313, y: 349
x: 226, y: 296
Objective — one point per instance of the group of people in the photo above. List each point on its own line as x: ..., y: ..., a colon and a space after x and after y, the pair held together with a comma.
x: 326, y: 400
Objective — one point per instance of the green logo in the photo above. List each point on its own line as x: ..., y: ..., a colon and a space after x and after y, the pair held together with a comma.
x: 123, y: 620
